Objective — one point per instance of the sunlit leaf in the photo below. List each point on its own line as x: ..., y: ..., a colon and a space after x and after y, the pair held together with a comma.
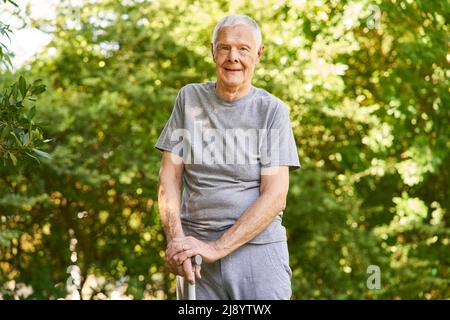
x: 41, y: 153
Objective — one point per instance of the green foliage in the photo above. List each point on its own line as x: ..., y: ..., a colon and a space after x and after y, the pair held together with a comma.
x: 367, y: 84
x: 20, y: 137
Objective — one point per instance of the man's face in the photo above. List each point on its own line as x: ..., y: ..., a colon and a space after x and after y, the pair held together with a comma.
x: 236, y: 55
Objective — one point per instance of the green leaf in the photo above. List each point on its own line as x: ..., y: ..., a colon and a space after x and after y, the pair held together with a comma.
x: 13, y: 93
x: 35, y: 90
x: 13, y: 3
x: 19, y: 143
x: 35, y: 158
x: 31, y: 113
x: 8, y: 60
x: 13, y: 158
x: 5, y: 131
x: 41, y: 153
x: 24, y: 138
x: 23, y: 86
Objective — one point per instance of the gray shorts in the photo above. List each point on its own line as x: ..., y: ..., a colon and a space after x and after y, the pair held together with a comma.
x: 252, y: 272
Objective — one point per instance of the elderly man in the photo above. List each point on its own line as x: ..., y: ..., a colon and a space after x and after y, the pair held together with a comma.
x: 229, y: 146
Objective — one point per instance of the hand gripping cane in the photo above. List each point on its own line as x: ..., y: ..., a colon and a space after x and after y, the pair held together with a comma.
x: 186, y: 290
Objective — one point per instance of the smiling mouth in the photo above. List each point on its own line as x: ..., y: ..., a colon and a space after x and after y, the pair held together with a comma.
x: 232, y: 70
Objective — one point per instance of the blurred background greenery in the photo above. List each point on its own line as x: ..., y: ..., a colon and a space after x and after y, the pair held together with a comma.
x: 368, y: 91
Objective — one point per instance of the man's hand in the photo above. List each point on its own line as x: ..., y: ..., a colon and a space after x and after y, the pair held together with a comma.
x: 183, y: 269
x: 174, y: 266
x: 181, y: 249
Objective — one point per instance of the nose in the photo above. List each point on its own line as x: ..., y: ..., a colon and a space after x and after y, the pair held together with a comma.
x: 233, y: 56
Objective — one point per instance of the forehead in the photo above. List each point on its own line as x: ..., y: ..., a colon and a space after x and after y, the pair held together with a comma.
x: 238, y: 34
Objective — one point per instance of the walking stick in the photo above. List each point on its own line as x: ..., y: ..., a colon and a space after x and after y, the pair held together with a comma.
x: 186, y: 290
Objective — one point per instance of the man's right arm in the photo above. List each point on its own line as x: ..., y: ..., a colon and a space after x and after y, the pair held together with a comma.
x: 169, y: 201
x: 169, y: 194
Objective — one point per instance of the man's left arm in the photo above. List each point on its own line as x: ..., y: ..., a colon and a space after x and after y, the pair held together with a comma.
x: 272, y: 200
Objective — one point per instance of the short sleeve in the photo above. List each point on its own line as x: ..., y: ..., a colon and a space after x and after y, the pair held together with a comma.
x: 172, y: 134
x: 278, y: 147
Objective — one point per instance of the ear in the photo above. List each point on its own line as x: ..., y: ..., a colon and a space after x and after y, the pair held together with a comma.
x: 259, y: 54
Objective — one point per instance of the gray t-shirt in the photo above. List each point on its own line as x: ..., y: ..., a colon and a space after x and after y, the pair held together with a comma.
x: 224, y: 145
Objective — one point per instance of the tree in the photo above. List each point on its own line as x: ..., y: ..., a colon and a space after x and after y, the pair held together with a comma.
x: 20, y: 137
x: 367, y: 90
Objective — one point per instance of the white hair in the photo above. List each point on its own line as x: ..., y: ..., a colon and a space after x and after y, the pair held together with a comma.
x: 233, y: 20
